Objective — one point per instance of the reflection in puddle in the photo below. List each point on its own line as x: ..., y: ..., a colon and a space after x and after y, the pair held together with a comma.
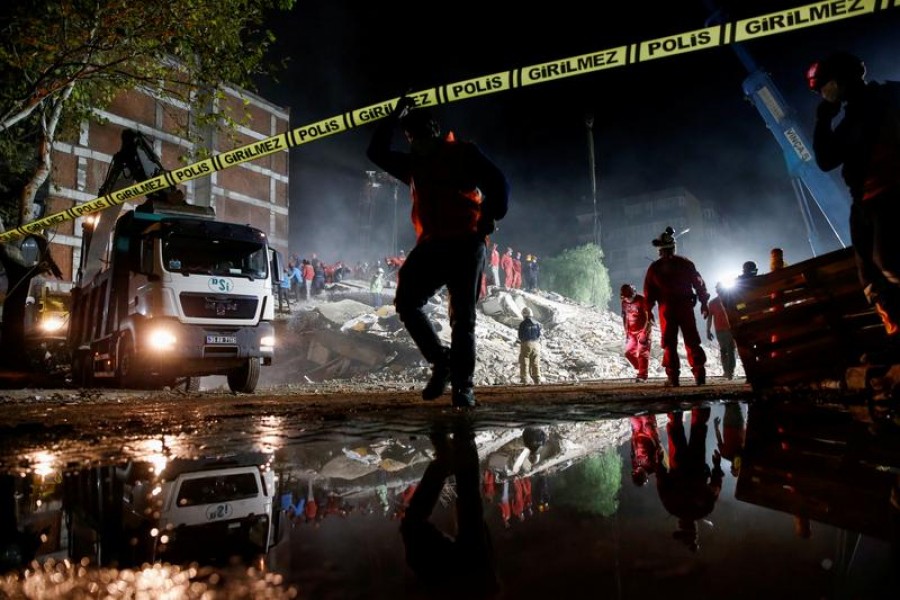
x: 650, y: 503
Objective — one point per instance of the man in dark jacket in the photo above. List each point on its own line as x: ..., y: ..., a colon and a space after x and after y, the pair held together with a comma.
x: 457, y: 196
x: 529, y: 348
x: 866, y: 142
x: 673, y: 282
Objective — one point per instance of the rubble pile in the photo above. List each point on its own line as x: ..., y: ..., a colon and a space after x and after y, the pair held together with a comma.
x: 341, y: 337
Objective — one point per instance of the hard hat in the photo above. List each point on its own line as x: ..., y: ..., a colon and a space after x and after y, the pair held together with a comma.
x: 627, y: 291
x: 381, y: 269
x: 666, y: 239
x: 750, y: 268
x: 526, y: 312
x: 842, y: 67
x: 420, y: 124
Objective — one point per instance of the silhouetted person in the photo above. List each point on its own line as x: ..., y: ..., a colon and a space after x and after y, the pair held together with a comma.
x: 458, y: 194
x: 673, y: 282
x: 460, y: 565
x: 687, y: 487
x: 865, y: 143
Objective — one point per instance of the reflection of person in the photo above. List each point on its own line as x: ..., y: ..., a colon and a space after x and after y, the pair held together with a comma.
x: 866, y: 145
x: 637, y: 320
x: 457, y: 194
x: 646, y: 451
x: 687, y: 487
x: 673, y: 282
x: 730, y: 439
x: 463, y: 563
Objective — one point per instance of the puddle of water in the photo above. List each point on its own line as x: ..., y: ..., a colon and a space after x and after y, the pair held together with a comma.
x: 722, y: 499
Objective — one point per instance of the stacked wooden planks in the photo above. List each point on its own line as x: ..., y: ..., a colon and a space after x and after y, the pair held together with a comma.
x: 804, y: 324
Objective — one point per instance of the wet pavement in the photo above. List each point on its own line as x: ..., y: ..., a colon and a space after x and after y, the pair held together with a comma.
x: 648, y: 492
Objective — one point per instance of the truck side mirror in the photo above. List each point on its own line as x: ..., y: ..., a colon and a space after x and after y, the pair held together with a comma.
x: 276, y: 265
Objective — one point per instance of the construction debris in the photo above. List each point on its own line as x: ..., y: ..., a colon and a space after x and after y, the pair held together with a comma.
x: 343, y: 337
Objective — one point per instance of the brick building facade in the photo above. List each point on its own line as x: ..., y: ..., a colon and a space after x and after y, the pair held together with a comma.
x: 254, y: 193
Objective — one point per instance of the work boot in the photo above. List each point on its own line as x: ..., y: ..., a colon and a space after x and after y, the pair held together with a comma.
x: 700, y: 375
x: 463, y: 398
x: 440, y: 377
x: 672, y: 378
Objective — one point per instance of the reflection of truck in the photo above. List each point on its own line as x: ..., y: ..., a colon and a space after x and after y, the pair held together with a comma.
x: 205, y: 509
x: 166, y: 294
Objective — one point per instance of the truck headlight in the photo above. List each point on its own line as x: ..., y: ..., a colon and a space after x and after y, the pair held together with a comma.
x: 52, y: 324
x: 162, y: 339
x: 267, y: 343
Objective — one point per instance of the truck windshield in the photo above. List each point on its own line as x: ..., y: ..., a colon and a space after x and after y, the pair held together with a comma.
x: 218, y: 488
x: 189, y: 254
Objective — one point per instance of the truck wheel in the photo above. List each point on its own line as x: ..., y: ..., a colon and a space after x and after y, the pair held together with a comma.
x: 83, y: 370
x: 127, y: 375
x: 243, y: 379
x: 190, y: 384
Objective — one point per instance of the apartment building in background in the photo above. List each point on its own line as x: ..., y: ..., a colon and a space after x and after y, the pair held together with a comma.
x: 628, y: 225
x: 254, y: 193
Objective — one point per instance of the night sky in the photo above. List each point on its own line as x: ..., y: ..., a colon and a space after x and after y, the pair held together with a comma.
x: 678, y: 121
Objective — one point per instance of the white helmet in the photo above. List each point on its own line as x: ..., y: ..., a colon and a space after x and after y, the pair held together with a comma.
x: 526, y: 312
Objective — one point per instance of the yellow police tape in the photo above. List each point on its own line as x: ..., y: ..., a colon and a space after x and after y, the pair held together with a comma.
x: 722, y: 34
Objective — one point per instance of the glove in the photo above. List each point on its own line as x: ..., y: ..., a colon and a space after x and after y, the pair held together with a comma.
x: 704, y: 311
x: 827, y: 110
x: 404, y: 104
x: 709, y: 335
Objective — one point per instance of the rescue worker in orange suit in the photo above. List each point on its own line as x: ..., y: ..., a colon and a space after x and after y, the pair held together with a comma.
x: 458, y: 194
x: 673, y: 282
x: 637, y: 320
x: 866, y: 144
x: 727, y: 347
x: 506, y: 263
x: 646, y: 450
x: 686, y: 485
x: 495, y: 266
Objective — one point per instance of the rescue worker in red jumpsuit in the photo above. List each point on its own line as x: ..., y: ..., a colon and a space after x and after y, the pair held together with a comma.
x: 517, y: 271
x: 673, y: 282
x: 866, y: 144
x: 637, y: 320
x: 495, y: 266
x: 458, y: 194
x: 506, y: 263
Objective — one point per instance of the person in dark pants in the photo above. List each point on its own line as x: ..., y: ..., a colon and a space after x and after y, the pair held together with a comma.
x: 673, y: 282
x: 866, y: 144
x: 727, y: 348
x: 458, y: 194
x: 460, y: 565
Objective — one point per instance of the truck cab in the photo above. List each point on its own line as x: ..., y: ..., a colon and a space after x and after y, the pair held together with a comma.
x: 209, y: 509
x: 181, y: 296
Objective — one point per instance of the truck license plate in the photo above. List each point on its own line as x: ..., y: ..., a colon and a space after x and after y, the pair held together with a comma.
x: 221, y: 339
